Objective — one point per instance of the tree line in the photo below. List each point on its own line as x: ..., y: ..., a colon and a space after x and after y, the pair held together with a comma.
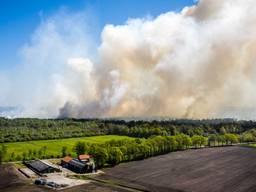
x: 115, y: 152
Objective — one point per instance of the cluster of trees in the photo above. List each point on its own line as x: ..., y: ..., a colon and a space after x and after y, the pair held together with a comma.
x: 13, y: 130
x: 141, y: 132
x: 225, y: 139
x: 248, y: 136
x: 40, y: 153
x: 228, y: 138
x: 146, y: 129
x: 143, y: 129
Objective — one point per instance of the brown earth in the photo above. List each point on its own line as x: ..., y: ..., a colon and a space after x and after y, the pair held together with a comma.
x: 94, y: 187
x: 13, y: 181
x: 227, y: 169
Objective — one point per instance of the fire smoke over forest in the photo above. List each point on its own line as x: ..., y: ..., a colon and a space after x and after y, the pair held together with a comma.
x: 197, y: 63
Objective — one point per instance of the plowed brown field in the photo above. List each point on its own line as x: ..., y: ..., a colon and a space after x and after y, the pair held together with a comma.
x: 227, y: 169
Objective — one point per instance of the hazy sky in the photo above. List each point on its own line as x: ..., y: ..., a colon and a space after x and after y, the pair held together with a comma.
x: 19, y: 18
x: 182, y: 59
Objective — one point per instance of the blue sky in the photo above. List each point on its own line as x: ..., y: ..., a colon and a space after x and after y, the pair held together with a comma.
x: 19, y: 18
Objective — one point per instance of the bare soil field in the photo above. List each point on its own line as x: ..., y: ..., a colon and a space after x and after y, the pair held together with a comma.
x: 12, y: 180
x: 227, y: 169
x: 94, y: 187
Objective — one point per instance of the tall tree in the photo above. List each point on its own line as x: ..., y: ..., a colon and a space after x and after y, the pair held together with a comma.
x: 196, y: 140
x: 100, y: 156
x: 79, y: 148
x: 3, y: 152
x: 64, y: 151
x: 115, y: 155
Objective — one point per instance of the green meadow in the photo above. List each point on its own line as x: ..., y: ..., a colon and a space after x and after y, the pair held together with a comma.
x: 252, y: 145
x: 53, y: 148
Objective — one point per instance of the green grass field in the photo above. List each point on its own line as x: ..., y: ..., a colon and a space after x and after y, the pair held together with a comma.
x: 54, y: 147
x: 252, y: 145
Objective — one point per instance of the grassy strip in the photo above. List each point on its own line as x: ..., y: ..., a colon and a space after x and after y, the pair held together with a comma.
x: 54, y: 147
x: 249, y: 145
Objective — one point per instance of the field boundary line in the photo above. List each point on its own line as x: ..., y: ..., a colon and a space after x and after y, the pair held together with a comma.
x: 116, y: 184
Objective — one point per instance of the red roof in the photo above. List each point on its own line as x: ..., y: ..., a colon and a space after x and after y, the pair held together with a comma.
x: 67, y: 159
x: 83, y: 157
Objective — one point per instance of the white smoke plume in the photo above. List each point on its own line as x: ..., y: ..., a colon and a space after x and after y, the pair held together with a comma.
x: 194, y: 64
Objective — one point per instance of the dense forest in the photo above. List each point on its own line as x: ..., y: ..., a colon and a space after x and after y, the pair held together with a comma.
x: 13, y: 130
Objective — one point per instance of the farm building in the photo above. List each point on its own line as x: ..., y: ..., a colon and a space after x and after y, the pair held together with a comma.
x: 40, y: 167
x: 77, y: 166
x: 84, y: 164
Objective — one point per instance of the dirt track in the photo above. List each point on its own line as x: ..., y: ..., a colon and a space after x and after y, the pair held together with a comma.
x: 229, y: 169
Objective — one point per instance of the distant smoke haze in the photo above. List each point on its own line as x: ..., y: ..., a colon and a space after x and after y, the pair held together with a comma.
x: 193, y: 64
x: 9, y: 112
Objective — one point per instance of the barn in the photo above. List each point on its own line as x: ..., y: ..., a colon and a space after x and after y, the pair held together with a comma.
x: 40, y: 167
x: 84, y: 164
x: 77, y: 166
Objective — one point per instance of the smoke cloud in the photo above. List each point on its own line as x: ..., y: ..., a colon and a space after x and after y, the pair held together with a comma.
x: 197, y: 63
